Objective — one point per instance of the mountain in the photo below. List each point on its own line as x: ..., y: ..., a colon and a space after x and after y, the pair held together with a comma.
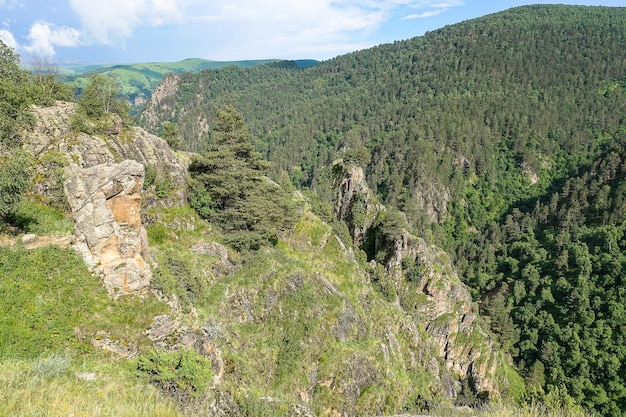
x: 137, y: 81
x: 149, y: 291
x: 137, y: 280
x: 441, y: 102
x: 478, y: 133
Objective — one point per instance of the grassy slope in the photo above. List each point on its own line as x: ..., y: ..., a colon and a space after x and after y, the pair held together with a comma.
x: 50, y: 309
x: 283, y: 317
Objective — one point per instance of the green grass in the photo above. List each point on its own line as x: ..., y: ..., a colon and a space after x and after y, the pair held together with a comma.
x: 51, y: 307
x: 51, y: 302
x: 34, y: 217
x: 277, y: 327
x: 51, y: 385
x: 47, y: 292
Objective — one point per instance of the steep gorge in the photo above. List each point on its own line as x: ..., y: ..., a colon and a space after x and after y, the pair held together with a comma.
x: 301, y: 321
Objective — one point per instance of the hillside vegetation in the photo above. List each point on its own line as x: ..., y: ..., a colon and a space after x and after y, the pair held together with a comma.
x: 294, y: 264
x: 246, y: 303
x: 500, y: 138
x: 137, y: 81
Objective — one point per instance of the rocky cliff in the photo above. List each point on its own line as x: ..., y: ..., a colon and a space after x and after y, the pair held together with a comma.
x: 444, y: 303
x: 354, y: 203
x: 103, y: 181
x: 53, y: 132
x: 163, y: 93
x: 105, y: 201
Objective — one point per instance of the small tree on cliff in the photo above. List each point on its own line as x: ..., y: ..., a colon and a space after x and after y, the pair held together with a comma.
x: 229, y: 186
x: 100, y: 97
x: 97, y: 105
x: 14, y: 97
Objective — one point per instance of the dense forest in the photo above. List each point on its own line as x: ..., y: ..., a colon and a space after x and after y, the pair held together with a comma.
x: 501, y: 139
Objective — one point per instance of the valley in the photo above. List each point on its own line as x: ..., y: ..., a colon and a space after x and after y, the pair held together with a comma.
x: 433, y: 226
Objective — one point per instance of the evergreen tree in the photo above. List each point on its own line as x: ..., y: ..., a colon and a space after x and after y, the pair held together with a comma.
x: 229, y: 186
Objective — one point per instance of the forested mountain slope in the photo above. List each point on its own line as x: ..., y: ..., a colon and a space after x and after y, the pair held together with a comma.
x: 497, y: 97
x: 136, y: 81
x: 552, y: 273
x: 501, y: 138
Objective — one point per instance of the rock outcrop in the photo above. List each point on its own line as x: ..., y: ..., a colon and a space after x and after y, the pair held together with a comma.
x: 53, y: 132
x: 433, y: 199
x: 105, y: 201
x: 103, y: 182
x: 163, y: 94
x: 450, y: 316
x: 447, y: 311
x: 354, y: 203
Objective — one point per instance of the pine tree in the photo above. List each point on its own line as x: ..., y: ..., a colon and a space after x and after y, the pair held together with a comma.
x: 229, y: 186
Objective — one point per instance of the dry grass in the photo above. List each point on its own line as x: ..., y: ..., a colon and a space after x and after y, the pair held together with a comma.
x: 51, y: 386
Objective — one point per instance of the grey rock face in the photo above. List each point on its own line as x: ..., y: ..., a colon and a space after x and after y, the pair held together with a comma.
x: 447, y: 308
x: 105, y: 201
x: 53, y: 132
x: 354, y: 202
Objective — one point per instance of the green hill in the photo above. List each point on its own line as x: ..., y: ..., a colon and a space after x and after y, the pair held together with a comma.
x: 316, y: 284
x: 463, y: 129
x: 137, y: 81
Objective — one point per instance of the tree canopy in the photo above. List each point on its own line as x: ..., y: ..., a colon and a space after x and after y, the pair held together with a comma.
x: 15, y: 97
x: 230, y: 187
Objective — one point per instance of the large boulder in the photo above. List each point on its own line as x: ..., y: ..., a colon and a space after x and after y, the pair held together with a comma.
x: 105, y: 201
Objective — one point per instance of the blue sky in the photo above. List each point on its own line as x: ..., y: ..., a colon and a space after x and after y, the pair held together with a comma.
x: 124, y: 31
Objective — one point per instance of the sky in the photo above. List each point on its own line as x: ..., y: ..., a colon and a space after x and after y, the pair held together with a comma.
x: 85, y: 32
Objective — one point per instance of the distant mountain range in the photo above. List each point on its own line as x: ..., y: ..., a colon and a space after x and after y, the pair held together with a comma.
x: 137, y: 81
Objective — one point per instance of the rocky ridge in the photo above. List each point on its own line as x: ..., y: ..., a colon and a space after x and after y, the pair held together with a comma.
x: 103, y: 182
x: 447, y: 308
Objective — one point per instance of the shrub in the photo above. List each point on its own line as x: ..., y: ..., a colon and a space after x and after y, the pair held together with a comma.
x: 47, y: 292
x: 177, y: 274
x: 15, y: 180
x: 184, y: 374
x: 51, y: 366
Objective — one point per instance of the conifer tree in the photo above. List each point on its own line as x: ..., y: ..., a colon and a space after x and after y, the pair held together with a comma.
x: 229, y: 186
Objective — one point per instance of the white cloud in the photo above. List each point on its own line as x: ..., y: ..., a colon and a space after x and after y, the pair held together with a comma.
x: 280, y: 28
x: 285, y: 28
x: 111, y: 21
x: 8, y: 39
x: 422, y: 15
x: 433, y: 8
x: 8, y: 4
x: 252, y: 28
x: 44, y: 37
